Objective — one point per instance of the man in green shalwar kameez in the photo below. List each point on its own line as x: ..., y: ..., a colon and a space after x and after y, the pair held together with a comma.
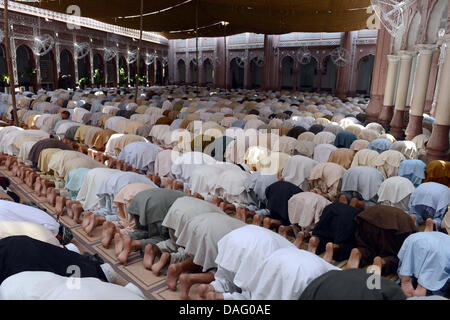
x: 149, y: 209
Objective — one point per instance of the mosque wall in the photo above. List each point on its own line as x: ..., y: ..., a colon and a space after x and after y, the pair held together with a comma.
x: 294, y: 61
x: 34, y: 71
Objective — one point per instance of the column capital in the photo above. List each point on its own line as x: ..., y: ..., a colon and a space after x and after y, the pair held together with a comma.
x: 447, y: 42
x: 406, y: 55
x: 426, y: 48
x: 393, y: 58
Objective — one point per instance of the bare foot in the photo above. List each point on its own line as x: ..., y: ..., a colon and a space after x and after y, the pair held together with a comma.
x: 212, y: 295
x: 77, y: 210
x: 283, y: 230
x: 86, y: 219
x: 257, y: 219
x: 329, y: 252
x: 343, y: 199
x: 123, y: 256
x: 414, y: 219
x: 378, y: 263
x: 185, y: 285
x: 299, y: 239
x: 355, y: 258
x: 51, y: 196
x: 225, y: 206
x: 150, y: 253
x: 118, y: 243
x: 162, y: 262
x: 420, y: 291
x: 216, y: 201
x: 269, y: 222
x: 354, y: 202
x: 94, y: 222
x: 108, y: 231
x: 313, y: 244
x: 407, y: 286
x: 429, y: 225
x: 198, y: 196
x: 173, y: 273
x: 203, y: 289
x: 60, y: 203
x: 239, y: 215
x: 169, y: 183
x: 69, y: 210
x: 157, y: 180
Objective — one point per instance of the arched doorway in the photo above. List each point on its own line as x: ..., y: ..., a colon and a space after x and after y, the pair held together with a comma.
x: 84, y: 78
x: 159, y: 73
x: 287, y: 73
x: 329, y: 75
x: 166, y: 75
x: 67, y: 70
x: 48, y: 71
x: 364, y: 78
x: 208, y: 70
x: 181, y: 68
x: 193, y: 71
x: 133, y: 71
x: 307, y: 79
x: 99, y: 70
x: 3, y: 70
x: 237, y: 74
x: 151, y: 74
x: 25, y: 67
x: 256, y: 73
x: 142, y: 74
x: 111, y: 73
x: 123, y: 72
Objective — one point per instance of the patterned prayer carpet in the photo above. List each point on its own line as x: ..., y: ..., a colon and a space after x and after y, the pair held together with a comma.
x: 154, y: 288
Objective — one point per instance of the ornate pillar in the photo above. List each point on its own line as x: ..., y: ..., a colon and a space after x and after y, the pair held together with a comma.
x: 379, y: 75
x: 91, y: 64
x: 219, y: 61
x: 75, y: 61
x: 432, y: 82
x: 297, y: 70
x: 389, y: 88
x: 57, y: 56
x: 397, y: 122
x: 12, y: 47
x: 271, y: 69
x: 37, y: 63
x: 117, y: 83
x: 344, y: 72
x: 319, y: 76
x: 419, y: 90
x: 247, y: 71
x: 438, y: 145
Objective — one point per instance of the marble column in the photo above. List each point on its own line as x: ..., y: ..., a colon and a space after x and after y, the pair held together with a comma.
x: 271, y: 73
x: 432, y: 82
x: 438, y: 145
x: 379, y: 75
x: 419, y: 90
x: 345, y: 72
x: 397, y: 123
x: 388, y: 100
